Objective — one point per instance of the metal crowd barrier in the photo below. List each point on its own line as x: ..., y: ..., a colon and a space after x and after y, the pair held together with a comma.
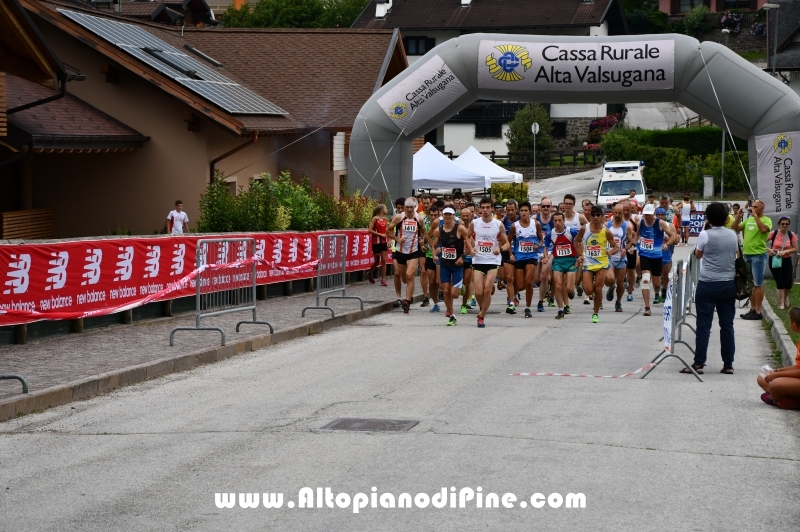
x: 226, y: 289
x: 331, y: 271
x: 680, y: 295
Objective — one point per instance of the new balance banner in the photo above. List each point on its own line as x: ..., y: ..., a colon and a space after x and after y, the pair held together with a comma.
x: 776, y: 175
x: 68, y: 280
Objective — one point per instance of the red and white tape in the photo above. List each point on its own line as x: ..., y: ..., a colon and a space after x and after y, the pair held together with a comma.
x: 645, y: 368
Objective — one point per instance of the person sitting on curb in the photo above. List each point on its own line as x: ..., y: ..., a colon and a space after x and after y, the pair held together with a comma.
x: 782, y: 386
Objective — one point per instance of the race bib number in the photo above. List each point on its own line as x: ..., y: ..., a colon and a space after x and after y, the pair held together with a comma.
x: 563, y: 250
x: 485, y: 247
x: 409, y: 226
x: 593, y: 251
x: 449, y: 253
x: 525, y: 247
x: 646, y: 244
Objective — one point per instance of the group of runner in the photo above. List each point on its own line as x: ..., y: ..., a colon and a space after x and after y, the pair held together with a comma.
x: 470, y: 252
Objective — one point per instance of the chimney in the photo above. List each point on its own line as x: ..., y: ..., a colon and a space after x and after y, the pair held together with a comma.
x: 465, y: 3
x: 382, y: 7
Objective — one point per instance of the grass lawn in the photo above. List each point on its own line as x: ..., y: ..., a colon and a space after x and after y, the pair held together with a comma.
x: 753, y: 56
x: 772, y: 296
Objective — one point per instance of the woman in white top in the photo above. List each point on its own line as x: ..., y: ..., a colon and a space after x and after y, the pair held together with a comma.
x: 685, y: 207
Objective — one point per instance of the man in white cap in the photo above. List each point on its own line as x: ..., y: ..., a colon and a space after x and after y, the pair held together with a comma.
x: 651, y: 244
x: 450, y: 239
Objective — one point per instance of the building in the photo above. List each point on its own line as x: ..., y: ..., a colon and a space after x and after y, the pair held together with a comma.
x: 174, y: 105
x: 677, y: 7
x: 425, y: 24
x: 787, y: 59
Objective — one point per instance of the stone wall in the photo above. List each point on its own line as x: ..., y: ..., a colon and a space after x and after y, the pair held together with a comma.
x: 550, y: 171
x: 576, y: 127
x: 744, y: 42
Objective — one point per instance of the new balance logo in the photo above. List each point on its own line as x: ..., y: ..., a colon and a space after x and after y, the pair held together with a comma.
x: 58, y: 272
x: 125, y: 264
x: 178, y: 255
x: 365, y: 249
x: 241, y: 251
x: 307, y: 250
x: 152, y: 263
x: 222, y: 253
x: 92, y: 267
x: 356, y: 242
x: 293, y: 250
x: 277, y: 251
x: 261, y: 248
x: 18, y: 271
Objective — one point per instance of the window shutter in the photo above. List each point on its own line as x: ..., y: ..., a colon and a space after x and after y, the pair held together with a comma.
x: 430, y: 44
x: 753, y: 4
x: 673, y: 6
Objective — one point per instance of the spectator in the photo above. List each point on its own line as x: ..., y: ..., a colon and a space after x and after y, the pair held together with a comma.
x: 782, y: 386
x: 782, y: 245
x: 754, y: 230
x: 716, y: 288
x: 177, y: 220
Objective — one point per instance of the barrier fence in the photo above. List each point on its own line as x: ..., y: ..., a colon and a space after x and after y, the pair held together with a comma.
x: 228, y: 287
x: 677, y: 307
x: 331, y: 271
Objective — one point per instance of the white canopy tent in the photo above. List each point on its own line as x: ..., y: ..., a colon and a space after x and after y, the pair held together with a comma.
x: 433, y: 169
x: 474, y: 161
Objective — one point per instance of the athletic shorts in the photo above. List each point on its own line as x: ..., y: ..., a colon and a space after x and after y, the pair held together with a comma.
x: 686, y: 223
x: 377, y: 249
x: 631, y: 258
x: 651, y: 265
x: 403, y: 258
x: 521, y: 264
x: 618, y: 263
x: 452, y: 275
x: 484, y: 268
x: 595, y: 268
x: 430, y: 264
x: 505, y: 257
x: 564, y: 264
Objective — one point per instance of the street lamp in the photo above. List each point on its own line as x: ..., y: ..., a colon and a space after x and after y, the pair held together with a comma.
x: 727, y: 34
x: 535, y: 131
x: 766, y: 8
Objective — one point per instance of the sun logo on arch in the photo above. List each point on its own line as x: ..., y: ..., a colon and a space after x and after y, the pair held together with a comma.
x: 782, y: 144
x: 505, y: 67
x: 398, y: 110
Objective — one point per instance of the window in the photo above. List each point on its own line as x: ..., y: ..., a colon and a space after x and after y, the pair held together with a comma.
x: 559, y: 130
x: 620, y: 188
x: 488, y: 131
x: 418, y: 45
x: 738, y: 4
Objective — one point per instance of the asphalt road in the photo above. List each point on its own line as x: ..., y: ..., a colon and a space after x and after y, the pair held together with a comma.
x: 582, y: 185
x: 664, y: 453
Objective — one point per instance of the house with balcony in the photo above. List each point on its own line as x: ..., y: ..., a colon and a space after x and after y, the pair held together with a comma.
x: 425, y: 24
x: 679, y: 7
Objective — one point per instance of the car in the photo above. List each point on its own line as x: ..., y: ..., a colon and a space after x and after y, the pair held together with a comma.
x: 618, y: 180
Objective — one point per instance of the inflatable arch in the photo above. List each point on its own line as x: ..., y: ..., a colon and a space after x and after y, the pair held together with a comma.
x: 704, y: 77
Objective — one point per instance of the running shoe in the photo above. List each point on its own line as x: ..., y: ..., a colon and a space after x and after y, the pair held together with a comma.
x: 383, y: 282
x: 501, y: 285
x: 472, y: 302
x: 406, y: 306
x: 551, y: 302
x: 397, y: 304
x: 647, y: 311
x: 528, y: 313
x: 610, y: 293
x: 618, y: 307
x: 480, y: 322
x: 585, y: 300
x: 463, y: 290
x: 451, y: 321
x: 371, y: 279
x: 567, y: 310
x: 560, y: 315
x: 663, y: 295
x: 595, y: 318
x: 630, y: 297
x: 463, y: 309
x: 540, y: 307
x: 638, y: 281
x: 571, y: 295
x: 516, y: 301
x: 536, y: 285
x: 657, y: 300
x: 579, y: 288
x: 435, y: 308
x: 441, y: 297
x: 752, y: 316
x: 447, y: 314
x: 511, y: 309
x: 767, y: 398
x: 425, y: 301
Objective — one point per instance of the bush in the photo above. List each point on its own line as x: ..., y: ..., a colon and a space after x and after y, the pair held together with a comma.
x: 599, y: 127
x: 703, y: 140
x: 700, y: 166
x: 217, y: 207
x: 519, y: 135
x: 506, y: 191
x: 694, y: 23
x: 297, y: 200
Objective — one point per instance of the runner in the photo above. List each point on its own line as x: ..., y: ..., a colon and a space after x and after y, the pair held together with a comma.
x: 526, y: 236
x: 561, y: 240
x: 451, y: 235
x: 506, y: 272
x: 545, y: 219
x: 424, y: 277
x: 410, y: 247
x: 432, y: 257
x: 490, y: 239
x: 666, y: 262
x: 499, y: 211
x: 377, y: 229
x: 575, y: 221
x: 632, y: 257
x: 594, y: 236
x: 651, y: 244
x: 399, y: 208
x: 623, y: 237
x: 468, y: 291
x: 685, y: 207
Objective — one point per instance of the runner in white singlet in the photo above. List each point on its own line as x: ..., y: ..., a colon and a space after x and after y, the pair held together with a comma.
x: 623, y: 237
x: 489, y: 240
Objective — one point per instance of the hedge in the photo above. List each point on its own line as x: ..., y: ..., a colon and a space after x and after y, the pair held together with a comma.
x: 701, y: 140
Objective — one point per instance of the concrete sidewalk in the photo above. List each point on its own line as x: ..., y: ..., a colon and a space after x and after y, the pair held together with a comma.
x: 56, y: 362
x: 664, y: 453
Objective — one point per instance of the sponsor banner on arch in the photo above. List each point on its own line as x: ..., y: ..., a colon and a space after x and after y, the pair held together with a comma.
x: 578, y: 66
x: 67, y: 280
x: 777, y: 174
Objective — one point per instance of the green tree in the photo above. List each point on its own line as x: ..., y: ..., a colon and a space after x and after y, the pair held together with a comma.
x: 238, y: 18
x: 295, y: 14
x: 694, y: 23
x: 341, y: 13
x: 519, y: 135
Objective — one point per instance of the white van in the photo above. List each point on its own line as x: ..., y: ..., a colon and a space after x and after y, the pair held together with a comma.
x: 617, y: 181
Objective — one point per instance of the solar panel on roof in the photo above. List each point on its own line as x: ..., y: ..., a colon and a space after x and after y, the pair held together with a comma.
x: 171, y: 62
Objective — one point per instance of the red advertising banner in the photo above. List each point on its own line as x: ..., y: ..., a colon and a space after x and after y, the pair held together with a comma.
x: 69, y: 280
